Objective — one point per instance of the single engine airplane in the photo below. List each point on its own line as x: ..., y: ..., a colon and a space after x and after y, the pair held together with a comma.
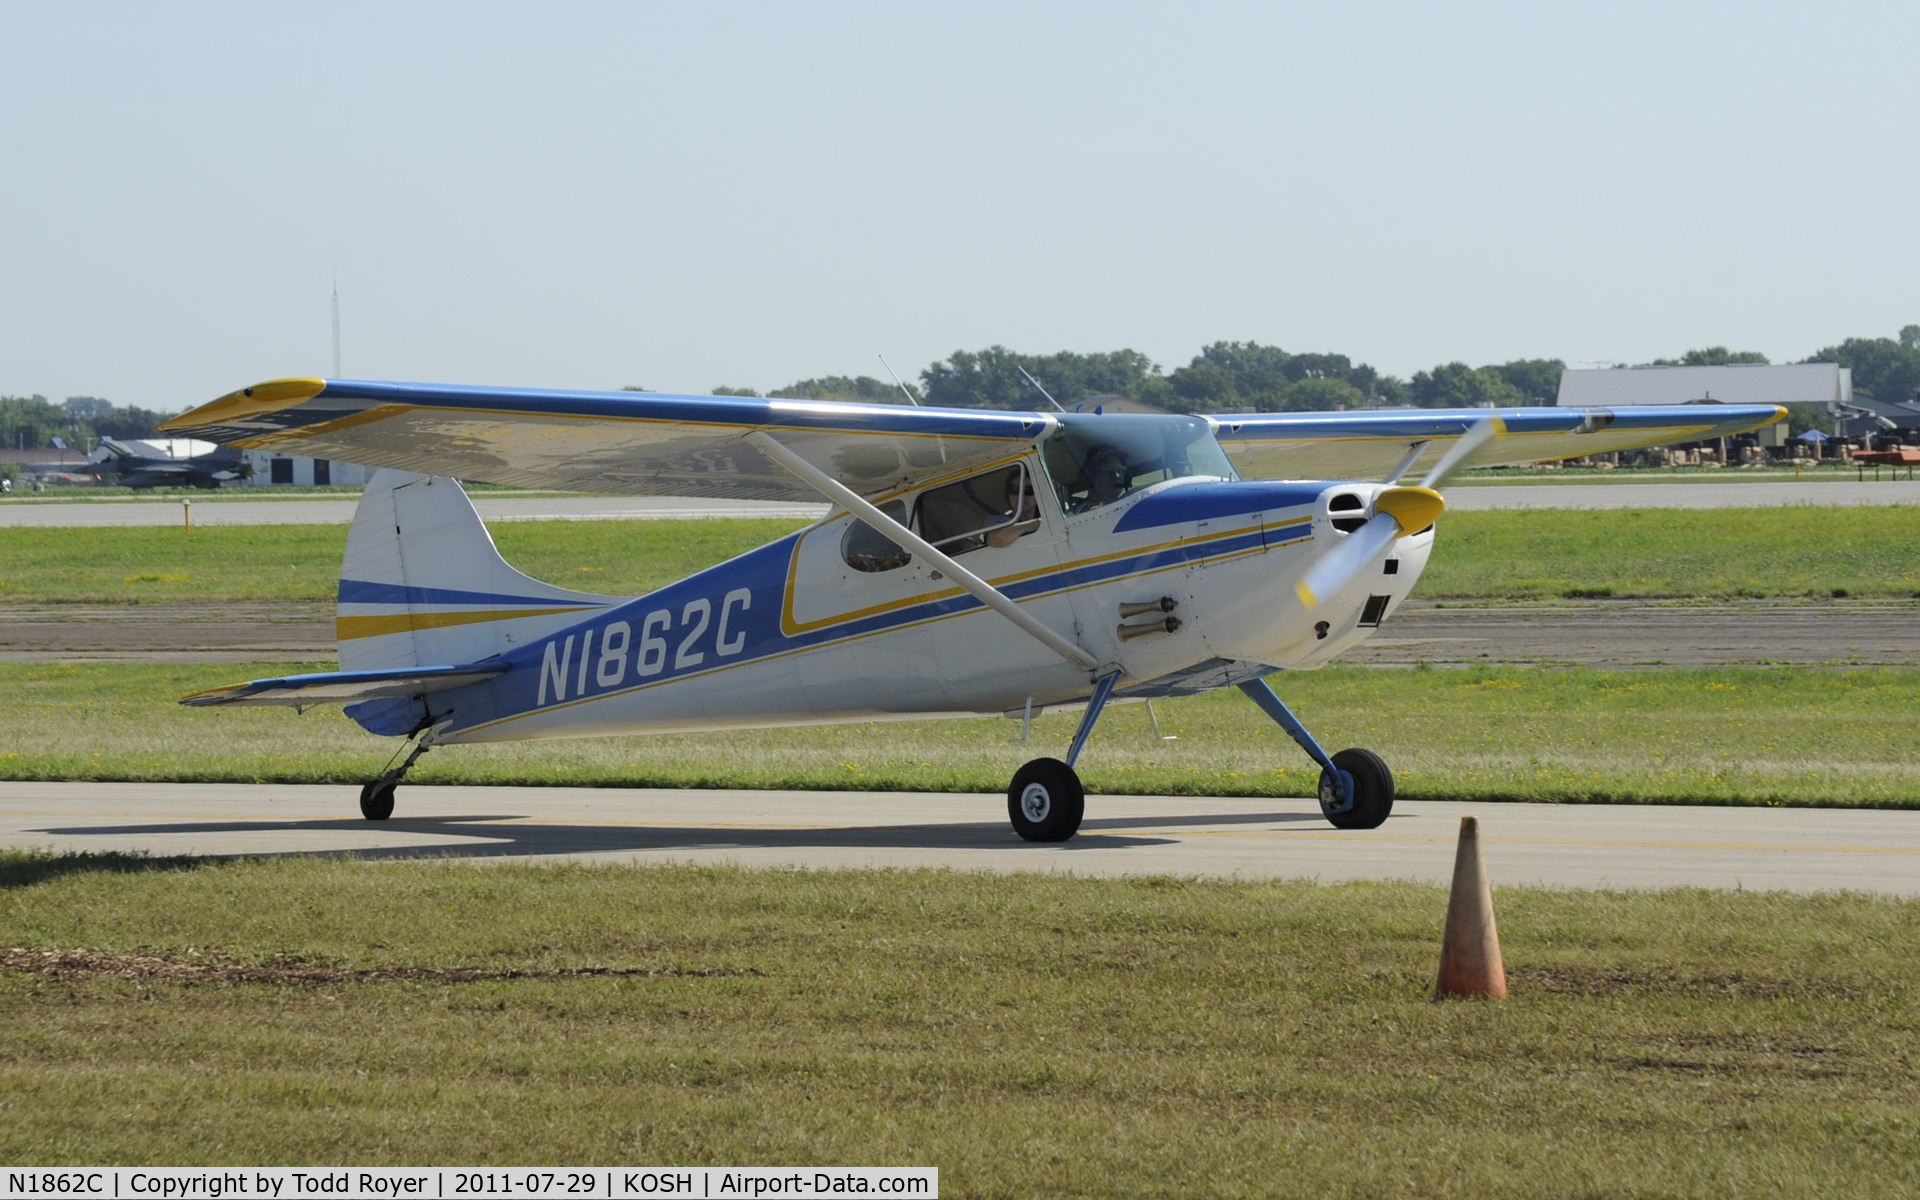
x: 972, y: 561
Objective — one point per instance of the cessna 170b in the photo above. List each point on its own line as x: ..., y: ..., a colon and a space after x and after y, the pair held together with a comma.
x: 973, y: 561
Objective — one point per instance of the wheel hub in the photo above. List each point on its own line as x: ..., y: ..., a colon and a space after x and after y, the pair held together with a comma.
x: 1035, y: 803
x: 1331, y: 799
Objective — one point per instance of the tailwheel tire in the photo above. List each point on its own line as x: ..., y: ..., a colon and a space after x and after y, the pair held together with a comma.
x: 376, y: 801
x: 1372, y: 790
x: 1045, y: 801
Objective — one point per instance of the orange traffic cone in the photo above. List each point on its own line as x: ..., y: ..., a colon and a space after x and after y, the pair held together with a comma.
x: 1470, y: 950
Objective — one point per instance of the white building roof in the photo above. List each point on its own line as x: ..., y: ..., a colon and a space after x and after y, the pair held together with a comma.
x: 1743, y: 383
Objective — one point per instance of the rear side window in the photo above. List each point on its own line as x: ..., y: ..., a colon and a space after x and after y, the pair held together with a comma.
x: 867, y: 549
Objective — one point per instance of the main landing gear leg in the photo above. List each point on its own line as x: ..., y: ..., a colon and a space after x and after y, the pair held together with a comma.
x: 376, y: 799
x: 1356, y: 789
x: 1045, y: 801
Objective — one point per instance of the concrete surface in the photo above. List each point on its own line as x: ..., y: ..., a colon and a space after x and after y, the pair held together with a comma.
x: 1613, y: 846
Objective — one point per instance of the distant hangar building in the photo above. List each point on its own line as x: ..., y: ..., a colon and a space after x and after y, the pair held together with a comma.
x: 291, y: 469
x: 1828, y: 385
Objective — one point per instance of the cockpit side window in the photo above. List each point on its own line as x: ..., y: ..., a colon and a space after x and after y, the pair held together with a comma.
x: 866, y: 549
x: 995, y: 508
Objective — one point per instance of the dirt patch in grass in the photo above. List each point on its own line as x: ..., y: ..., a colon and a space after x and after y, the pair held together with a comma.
x: 193, y: 967
x: 1598, y: 981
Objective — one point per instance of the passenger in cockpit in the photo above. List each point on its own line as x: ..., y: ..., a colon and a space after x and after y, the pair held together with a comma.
x: 1022, y: 506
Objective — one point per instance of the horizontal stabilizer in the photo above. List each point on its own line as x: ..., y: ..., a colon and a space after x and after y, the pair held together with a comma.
x: 346, y: 687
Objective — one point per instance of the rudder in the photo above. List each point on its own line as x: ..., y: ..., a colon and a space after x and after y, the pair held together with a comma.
x: 422, y: 582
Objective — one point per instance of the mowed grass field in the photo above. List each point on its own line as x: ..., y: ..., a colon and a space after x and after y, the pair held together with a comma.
x: 218, y: 563
x: 1029, y: 1035
x: 1714, y: 736
x: 1716, y: 554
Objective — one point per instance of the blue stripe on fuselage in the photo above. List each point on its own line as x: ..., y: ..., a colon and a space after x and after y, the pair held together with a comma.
x: 730, y: 614
x: 1207, y: 501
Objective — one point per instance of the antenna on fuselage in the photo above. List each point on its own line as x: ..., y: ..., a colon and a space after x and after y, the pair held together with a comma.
x: 897, y: 380
x: 336, y: 323
x: 1043, y: 391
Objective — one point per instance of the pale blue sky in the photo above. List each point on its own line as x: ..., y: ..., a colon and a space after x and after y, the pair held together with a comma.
x: 699, y: 194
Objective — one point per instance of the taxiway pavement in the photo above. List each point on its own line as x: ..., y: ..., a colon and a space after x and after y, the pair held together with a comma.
x: 1604, y: 846
x: 331, y: 511
x: 1608, y: 633
x: 1471, y: 497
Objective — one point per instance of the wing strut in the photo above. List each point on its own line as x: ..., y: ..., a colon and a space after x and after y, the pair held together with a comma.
x: 918, y: 546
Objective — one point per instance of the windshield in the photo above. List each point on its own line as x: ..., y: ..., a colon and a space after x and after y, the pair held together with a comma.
x: 1095, y: 459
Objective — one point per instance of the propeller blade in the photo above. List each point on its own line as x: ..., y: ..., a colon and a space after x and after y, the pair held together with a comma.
x: 1475, y: 437
x: 1397, y: 511
x: 1337, y: 568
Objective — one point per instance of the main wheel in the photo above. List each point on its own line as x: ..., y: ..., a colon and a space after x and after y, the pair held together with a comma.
x: 1045, y: 801
x: 1372, y: 790
x: 376, y: 801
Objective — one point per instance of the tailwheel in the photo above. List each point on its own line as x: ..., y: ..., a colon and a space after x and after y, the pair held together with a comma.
x: 1372, y: 791
x: 376, y: 800
x: 1045, y: 801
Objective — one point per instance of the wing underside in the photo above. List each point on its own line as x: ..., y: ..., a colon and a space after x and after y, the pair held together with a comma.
x: 622, y: 442
x: 669, y: 445
x: 1368, y: 445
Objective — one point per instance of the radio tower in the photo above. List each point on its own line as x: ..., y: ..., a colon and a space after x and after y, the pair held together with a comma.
x: 336, y: 328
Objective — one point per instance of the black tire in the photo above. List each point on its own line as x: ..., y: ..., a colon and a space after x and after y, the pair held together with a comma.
x: 1372, y: 790
x: 1045, y: 801
x: 376, y: 801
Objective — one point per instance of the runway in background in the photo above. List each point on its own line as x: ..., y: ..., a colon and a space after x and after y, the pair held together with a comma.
x: 1465, y: 497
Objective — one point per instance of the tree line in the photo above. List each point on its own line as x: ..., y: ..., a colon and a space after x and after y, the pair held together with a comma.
x: 1251, y: 377
x: 32, y: 422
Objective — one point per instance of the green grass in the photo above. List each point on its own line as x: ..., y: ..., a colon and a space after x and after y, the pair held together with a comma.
x: 1868, y: 553
x: 1712, y: 736
x: 1029, y: 1035
x: 218, y: 563
x: 1726, y: 553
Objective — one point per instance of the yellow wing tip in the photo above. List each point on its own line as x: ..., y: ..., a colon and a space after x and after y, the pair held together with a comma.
x: 271, y: 396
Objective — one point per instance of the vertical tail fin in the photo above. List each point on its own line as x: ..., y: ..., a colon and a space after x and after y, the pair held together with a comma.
x: 422, y: 583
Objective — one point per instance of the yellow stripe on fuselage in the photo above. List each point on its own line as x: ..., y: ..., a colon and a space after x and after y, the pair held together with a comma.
x: 775, y: 656
x: 793, y: 627
x: 347, y: 629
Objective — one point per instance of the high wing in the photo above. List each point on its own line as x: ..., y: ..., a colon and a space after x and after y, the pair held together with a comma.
x: 1368, y: 445
x: 638, y: 443
x: 673, y: 445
